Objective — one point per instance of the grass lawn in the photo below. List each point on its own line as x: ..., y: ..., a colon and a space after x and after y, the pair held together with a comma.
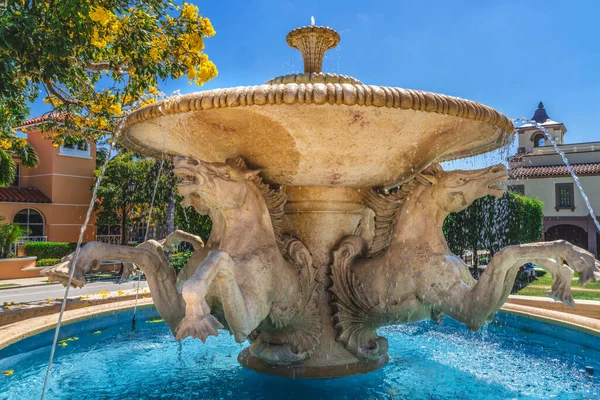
x: 540, y: 286
x: 531, y: 290
x: 8, y: 284
x: 545, y: 279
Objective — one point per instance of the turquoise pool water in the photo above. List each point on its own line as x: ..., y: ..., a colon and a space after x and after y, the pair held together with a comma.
x: 513, y: 358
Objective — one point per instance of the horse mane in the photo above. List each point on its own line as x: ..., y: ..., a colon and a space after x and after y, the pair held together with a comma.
x: 275, y: 198
x: 386, y: 207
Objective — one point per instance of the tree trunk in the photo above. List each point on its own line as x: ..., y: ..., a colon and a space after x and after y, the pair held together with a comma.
x: 171, y: 211
x: 124, y: 231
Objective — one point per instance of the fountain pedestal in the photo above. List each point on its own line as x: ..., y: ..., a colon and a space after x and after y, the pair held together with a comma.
x: 308, y: 210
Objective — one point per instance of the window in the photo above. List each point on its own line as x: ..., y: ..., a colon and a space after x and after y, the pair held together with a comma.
x: 80, y: 148
x: 108, y: 230
x: 31, y: 220
x: 519, y: 189
x: 565, y: 197
x: 17, y: 181
x: 539, y: 140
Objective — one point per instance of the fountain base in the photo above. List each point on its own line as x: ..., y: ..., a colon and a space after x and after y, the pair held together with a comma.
x: 301, y: 370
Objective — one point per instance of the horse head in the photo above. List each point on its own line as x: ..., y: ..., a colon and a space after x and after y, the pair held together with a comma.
x: 217, y: 185
x: 453, y: 191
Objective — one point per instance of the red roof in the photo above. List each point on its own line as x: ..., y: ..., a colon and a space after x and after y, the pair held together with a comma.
x: 16, y: 194
x: 40, y: 119
x: 554, y: 170
x: 519, y: 156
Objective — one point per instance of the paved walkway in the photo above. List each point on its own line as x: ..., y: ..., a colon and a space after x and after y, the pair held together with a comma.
x: 28, y: 294
x: 40, y: 280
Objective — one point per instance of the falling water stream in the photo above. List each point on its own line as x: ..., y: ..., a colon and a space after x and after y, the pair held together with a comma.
x: 113, y: 141
x: 521, y: 121
x: 72, y: 265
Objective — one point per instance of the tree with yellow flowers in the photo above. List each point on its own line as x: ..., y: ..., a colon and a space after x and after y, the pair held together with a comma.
x: 92, y: 60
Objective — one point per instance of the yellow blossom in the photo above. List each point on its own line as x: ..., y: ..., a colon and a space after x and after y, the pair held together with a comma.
x: 189, y: 11
x: 154, y: 54
x: 101, y: 123
x: 96, y: 108
x: 96, y: 40
x: 206, y: 27
x: 102, y: 15
x: 53, y: 101
x: 115, y: 109
x: 5, y: 144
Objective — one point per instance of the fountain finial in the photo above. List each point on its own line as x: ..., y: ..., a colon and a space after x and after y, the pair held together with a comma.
x: 313, y: 42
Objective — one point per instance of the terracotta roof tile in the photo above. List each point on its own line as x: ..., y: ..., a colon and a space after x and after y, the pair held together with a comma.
x: 15, y: 194
x: 554, y: 170
x: 40, y: 119
x: 519, y: 156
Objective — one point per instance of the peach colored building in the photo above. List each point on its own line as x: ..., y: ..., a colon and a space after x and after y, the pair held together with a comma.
x: 51, y: 200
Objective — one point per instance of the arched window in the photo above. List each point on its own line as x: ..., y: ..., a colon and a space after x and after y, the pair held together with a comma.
x: 31, y: 220
x: 539, y: 140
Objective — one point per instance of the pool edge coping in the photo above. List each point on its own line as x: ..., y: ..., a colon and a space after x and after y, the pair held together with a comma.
x: 13, y: 333
x: 586, y: 325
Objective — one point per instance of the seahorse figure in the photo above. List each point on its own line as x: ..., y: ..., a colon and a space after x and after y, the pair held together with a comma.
x: 410, y: 274
x: 253, y: 289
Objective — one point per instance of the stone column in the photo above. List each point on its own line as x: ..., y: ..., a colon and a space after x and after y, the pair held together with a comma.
x: 320, y: 217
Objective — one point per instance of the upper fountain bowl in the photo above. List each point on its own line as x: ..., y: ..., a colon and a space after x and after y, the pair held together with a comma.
x: 319, y: 129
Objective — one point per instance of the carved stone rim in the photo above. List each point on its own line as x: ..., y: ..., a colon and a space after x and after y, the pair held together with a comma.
x: 344, y: 94
x: 327, y: 33
x: 313, y: 77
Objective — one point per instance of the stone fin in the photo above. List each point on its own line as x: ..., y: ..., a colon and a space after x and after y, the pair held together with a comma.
x: 354, y: 317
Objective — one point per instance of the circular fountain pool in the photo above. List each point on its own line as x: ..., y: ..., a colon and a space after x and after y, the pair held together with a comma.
x: 101, y: 359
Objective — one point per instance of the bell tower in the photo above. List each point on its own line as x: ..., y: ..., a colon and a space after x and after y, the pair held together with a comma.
x: 531, y: 137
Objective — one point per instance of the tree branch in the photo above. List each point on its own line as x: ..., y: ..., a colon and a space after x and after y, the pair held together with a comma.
x: 53, y: 91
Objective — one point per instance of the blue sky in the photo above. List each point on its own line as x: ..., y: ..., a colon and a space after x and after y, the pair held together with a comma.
x: 506, y: 54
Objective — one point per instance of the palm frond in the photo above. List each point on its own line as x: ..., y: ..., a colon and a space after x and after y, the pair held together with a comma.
x: 7, y: 169
x: 28, y: 155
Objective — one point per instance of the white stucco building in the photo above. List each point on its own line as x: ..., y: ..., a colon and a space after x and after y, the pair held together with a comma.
x: 538, y: 171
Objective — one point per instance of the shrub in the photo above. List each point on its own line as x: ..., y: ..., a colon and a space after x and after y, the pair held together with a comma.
x: 49, y: 249
x: 47, y: 262
x: 492, y: 224
x: 180, y: 260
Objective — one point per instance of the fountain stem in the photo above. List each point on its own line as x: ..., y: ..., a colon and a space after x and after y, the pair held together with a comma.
x: 313, y: 42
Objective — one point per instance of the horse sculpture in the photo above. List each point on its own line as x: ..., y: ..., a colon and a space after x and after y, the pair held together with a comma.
x: 409, y: 273
x: 260, y: 294
x: 240, y: 280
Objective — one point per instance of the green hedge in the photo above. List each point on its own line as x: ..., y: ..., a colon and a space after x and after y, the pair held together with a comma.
x: 46, y: 262
x: 492, y: 224
x: 49, y: 249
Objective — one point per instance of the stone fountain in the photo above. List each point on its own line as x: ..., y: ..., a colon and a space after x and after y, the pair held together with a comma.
x: 327, y: 201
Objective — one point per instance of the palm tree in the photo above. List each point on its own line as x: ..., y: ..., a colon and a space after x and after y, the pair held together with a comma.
x: 29, y: 159
x: 9, y: 233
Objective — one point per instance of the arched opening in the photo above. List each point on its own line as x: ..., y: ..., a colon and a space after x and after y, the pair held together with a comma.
x: 539, y: 140
x: 571, y: 233
x: 31, y: 220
